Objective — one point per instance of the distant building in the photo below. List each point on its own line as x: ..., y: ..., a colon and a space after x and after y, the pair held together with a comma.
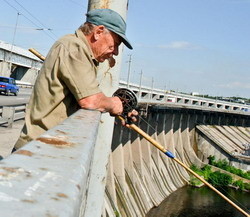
x: 18, y: 63
x: 195, y: 94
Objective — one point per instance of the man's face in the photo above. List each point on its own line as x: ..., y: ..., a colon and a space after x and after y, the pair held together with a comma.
x: 106, y: 44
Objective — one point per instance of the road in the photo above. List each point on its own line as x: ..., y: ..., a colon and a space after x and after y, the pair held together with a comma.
x: 9, y: 136
x: 22, y: 97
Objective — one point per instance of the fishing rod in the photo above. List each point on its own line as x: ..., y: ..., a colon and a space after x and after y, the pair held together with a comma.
x: 129, y: 103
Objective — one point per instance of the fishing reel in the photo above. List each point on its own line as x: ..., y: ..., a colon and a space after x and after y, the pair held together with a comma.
x: 128, y: 98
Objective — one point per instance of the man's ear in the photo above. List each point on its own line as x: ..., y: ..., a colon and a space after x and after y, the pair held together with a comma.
x: 98, y: 32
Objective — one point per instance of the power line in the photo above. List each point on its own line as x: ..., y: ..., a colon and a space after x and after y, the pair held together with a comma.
x: 39, y: 27
x: 35, y: 17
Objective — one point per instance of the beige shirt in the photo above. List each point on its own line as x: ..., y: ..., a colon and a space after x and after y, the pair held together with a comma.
x: 67, y: 75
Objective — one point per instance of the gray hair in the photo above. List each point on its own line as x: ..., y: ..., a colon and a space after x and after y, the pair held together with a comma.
x: 87, y: 28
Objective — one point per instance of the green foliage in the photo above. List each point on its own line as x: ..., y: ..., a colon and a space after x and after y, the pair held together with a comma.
x: 211, y: 159
x: 195, y: 182
x: 116, y: 213
x: 206, y: 170
x: 216, y: 178
x: 224, y: 164
x: 196, y: 169
x: 239, y: 184
x: 220, y: 179
x: 247, y: 186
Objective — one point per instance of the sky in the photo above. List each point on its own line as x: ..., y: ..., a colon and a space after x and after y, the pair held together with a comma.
x: 183, y: 45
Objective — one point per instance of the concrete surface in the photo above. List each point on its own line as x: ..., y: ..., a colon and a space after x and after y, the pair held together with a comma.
x: 9, y: 136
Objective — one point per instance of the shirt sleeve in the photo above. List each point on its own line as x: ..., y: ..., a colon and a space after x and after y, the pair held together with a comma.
x: 79, y: 73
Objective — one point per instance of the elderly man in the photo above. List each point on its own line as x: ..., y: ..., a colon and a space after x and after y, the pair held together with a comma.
x: 67, y: 80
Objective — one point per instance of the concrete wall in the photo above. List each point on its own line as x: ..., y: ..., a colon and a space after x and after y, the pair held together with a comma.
x: 224, y: 142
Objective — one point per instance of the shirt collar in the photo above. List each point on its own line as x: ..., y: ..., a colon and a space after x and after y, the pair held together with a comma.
x: 80, y: 35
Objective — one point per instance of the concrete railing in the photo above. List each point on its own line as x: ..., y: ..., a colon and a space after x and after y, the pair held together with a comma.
x: 50, y: 175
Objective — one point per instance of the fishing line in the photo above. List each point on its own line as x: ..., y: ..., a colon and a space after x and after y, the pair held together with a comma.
x: 230, y: 196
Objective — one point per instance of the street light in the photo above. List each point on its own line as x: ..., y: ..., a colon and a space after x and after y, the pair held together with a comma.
x: 13, y: 40
x: 129, y: 65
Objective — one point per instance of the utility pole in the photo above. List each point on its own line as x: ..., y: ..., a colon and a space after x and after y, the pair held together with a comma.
x: 140, y: 84
x: 152, y: 87
x: 12, y: 44
x: 109, y: 80
x: 129, y: 66
x: 165, y: 91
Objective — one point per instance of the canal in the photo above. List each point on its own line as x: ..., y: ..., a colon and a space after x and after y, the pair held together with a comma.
x: 201, y: 202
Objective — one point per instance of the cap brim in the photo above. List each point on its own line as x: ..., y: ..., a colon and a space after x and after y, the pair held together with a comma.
x: 125, y: 41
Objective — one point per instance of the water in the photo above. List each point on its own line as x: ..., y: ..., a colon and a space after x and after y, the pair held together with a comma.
x: 201, y: 202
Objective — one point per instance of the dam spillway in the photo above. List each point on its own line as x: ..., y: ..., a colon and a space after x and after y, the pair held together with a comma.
x: 141, y: 177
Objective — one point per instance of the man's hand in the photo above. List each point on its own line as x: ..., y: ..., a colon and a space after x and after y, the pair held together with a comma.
x: 132, y: 116
x: 117, y: 107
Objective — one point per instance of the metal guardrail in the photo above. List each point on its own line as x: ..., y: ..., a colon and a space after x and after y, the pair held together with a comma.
x: 50, y: 176
x: 24, y: 84
x: 9, y: 114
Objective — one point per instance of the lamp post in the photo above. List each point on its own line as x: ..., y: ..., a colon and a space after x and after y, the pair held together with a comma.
x: 12, y: 44
x: 129, y: 65
x: 140, y: 84
x: 152, y: 87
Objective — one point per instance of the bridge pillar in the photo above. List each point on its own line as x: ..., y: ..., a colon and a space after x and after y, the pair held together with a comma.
x: 108, y: 79
x: 4, y: 69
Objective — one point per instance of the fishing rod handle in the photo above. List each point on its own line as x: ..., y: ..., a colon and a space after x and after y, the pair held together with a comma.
x: 36, y: 53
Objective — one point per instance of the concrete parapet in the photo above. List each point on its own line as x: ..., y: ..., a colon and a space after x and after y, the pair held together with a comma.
x: 50, y: 176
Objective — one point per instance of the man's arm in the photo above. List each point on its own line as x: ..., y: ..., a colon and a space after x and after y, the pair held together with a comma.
x: 102, y: 103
